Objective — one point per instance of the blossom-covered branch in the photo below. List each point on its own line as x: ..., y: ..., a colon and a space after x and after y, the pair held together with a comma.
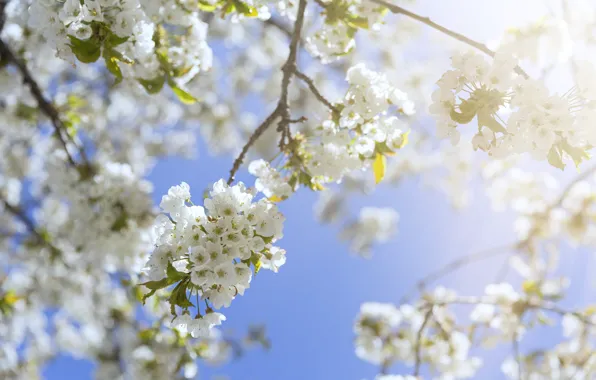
x: 282, y: 109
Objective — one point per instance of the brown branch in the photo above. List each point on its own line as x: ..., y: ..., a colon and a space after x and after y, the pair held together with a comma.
x: 460, y: 37
x: 290, y: 67
x: 252, y: 139
x: 418, y: 346
x: 45, y: 105
x: 18, y: 213
x: 283, y: 107
x: 274, y: 22
x: 311, y: 85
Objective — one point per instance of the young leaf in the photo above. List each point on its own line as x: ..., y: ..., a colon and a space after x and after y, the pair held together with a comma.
x: 487, y: 120
x: 554, y: 158
x: 156, y: 285
x: 86, y: 51
x: 112, y: 66
x: 184, y: 96
x: 379, y: 167
x: 173, y: 274
x: 245, y: 9
x: 405, y: 138
x: 153, y: 86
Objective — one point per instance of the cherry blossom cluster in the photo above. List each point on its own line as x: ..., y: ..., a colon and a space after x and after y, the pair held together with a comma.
x: 386, y: 334
x: 105, y: 214
x: 541, y: 210
x: 209, y: 250
x: 427, y: 333
x: 128, y: 35
x: 363, y: 131
x: 359, y: 134
x: 343, y: 19
x: 547, y: 126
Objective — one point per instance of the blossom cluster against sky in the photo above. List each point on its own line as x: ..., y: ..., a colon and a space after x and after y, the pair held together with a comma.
x: 309, y: 307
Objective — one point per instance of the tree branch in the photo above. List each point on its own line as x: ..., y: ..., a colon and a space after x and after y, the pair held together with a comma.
x: 289, y: 68
x: 311, y: 85
x: 418, y: 346
x: 460, y: 37
x: 496, y: 251
x: 252, y: 139
x: 45, y: 105
x: 283, y: 107
x: 274, y: 22
x: 18, y: 213
x: 455, y: 265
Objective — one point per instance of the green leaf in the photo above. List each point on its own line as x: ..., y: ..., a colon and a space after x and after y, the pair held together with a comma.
x: 115, y: 40
x: 463, y: 117
x: 120, y: 57
x: 156, y: 285
x: 75, y: 101
x: 554, y: 158
x: 204, y: 6
x: 153, y: 86
x: 112, y: 66
x: 184, y: 96
x: 86, y: 51
x: 381, y: 147
x: 179, y: 297
x: 245, y: 9
x: 120, y: 223
x: 357, y: 22
x: 255, y: 260
x: 485, y: 119
x: 405, y: 139
x: 577, y: 154
x: 173, y: 274
x: 379, y: 166
x: 23, y: 111
x: 144, y: 298
x: 229, y: 7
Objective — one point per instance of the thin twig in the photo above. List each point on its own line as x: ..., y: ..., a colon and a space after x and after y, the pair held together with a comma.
x: 311, y: 85
x: 545, y: 306
x: 46, y: 107
x: 515, y: 344
x: 252, y: 139
x: 497, y: 251
x: 274, y: 22
x: 418, y: 346
x: 460, y: 37
x: 18, y: 213
x: 454, y: 265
